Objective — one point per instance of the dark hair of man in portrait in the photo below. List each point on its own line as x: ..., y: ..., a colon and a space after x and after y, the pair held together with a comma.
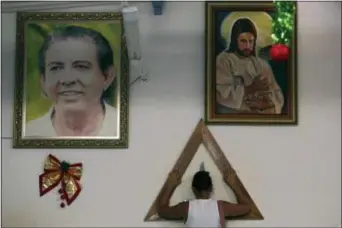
x: 241, y: 26
x: 105, y: 54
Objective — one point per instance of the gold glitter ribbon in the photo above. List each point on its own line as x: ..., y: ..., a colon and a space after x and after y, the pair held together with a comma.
x: 56, y: 172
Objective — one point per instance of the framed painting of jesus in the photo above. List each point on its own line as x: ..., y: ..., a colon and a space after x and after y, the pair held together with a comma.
x: 71, y: 87
x: 251, y: 63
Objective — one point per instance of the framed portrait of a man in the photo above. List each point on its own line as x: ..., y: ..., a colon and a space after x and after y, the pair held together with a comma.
x: 71, y: 88
x: 244, y: 84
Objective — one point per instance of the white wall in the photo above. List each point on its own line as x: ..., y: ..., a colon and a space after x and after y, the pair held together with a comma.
x: 292, y: 173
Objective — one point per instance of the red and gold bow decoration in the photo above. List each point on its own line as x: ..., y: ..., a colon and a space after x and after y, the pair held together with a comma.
x: 68, y: 175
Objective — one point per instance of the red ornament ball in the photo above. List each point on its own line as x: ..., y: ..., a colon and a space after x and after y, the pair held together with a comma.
x: 62, y: 197
x: 60, y: 191
x: 279, y: 52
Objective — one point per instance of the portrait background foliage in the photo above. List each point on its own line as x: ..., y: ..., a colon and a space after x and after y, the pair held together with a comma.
x: 36, y: 104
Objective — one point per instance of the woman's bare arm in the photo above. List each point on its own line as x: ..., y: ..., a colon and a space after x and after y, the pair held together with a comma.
x: 176, y: 212
x: 243, y: 200
x: 232, y: 210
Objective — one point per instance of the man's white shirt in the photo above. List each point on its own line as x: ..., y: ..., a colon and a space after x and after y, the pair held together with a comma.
x: 43, y: 127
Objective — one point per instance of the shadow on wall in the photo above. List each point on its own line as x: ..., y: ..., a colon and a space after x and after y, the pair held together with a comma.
x: 19, y: 219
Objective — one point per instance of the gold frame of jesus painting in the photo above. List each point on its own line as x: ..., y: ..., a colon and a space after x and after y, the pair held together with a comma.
x: 71, y: 86
x: 244, y: 83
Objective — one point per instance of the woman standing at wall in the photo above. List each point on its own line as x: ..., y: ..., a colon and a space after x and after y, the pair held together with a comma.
x: 203, y: 211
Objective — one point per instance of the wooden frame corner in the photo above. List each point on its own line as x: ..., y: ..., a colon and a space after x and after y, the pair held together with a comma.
x: 201, y: 134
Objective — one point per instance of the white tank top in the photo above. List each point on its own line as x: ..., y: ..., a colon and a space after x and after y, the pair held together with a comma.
x: 203, y: 213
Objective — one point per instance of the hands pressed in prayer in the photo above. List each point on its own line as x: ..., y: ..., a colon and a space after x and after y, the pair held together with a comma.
x: 257, y: 95
x: 259, y: 84
x: 260, y: 102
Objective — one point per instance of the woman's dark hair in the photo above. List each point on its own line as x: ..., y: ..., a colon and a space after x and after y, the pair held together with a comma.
x: 202, y: 181
x: 105, y: 55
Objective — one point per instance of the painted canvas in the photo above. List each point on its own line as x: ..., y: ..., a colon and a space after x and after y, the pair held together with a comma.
x: 71, y: 81
x: 244, y: 85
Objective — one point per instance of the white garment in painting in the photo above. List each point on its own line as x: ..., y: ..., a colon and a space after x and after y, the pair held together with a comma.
x: 203, y: 213
x: 233, y: 73
x: 42, y: 127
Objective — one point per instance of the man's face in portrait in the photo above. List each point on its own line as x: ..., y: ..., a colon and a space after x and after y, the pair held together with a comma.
x: 246, y: 44
x: 73, y: 78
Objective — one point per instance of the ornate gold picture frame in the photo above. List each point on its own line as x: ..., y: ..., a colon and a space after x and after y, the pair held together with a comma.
x: 238, y: 43
x: 200, y: 135
x: 71, y: 86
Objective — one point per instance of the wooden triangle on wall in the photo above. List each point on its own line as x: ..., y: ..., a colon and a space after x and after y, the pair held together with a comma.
x: 200, y: 135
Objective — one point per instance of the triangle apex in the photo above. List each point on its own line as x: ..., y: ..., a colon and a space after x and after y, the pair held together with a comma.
x: 202, y: 135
